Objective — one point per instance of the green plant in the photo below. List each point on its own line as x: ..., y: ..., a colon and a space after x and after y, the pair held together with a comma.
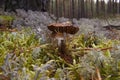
x: 6, y: 20
x: 23, y: 56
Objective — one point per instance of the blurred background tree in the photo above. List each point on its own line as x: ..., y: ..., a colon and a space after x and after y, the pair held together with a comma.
x: 66, y: 8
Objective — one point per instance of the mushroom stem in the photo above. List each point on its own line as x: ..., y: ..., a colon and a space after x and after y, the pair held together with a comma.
x: 62, y: 47
x: 60, y: 41
x: 58, y: 36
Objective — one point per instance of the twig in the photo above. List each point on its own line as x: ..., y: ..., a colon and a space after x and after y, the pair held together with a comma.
x: 98, y: 74
x: 89, y: 49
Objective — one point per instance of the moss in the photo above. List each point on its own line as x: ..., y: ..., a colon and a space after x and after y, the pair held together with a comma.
x: 33, y: 56
x: 6, y: 20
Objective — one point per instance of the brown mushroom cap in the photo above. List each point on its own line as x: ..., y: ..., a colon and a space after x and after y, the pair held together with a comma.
x: 66, y: 27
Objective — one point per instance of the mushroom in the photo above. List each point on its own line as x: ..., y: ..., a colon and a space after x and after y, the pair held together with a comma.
x: 59, y: 29
x: 58, y: 32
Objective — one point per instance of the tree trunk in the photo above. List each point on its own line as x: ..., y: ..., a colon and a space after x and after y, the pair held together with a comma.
x: 97, y: 7
x: 82, y: 8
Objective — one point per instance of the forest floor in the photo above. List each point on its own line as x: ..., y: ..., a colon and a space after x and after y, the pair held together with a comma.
x: 28, y: 56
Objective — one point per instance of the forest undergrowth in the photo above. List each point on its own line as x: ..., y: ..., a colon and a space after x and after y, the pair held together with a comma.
x: 25, y: 56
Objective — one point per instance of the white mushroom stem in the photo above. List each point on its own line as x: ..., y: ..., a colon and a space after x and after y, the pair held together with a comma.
x: 59, y: 40
x: 58, y: 36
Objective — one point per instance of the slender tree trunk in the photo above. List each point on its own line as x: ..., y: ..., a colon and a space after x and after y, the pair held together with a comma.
x: 60, y: 8
x: 103, y: 8
x: 97, y: 7
x: 64, y: 7
x: 113, y: 7
x: 73, y: 8
x: 92, y: 10
x: 79, y: 9
x: 119, y: 6
x: 56, y: 8
x: 82, y: 8
x: 116, y: 6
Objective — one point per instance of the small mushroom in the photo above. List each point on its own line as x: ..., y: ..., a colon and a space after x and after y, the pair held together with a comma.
x: 59, y: 29
x: 58, y: 32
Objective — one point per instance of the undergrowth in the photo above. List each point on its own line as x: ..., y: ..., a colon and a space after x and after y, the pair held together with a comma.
x: 6, y: 20
x: 23, y: 56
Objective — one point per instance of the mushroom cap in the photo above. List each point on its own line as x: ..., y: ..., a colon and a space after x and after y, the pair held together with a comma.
x: 66, y: 27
